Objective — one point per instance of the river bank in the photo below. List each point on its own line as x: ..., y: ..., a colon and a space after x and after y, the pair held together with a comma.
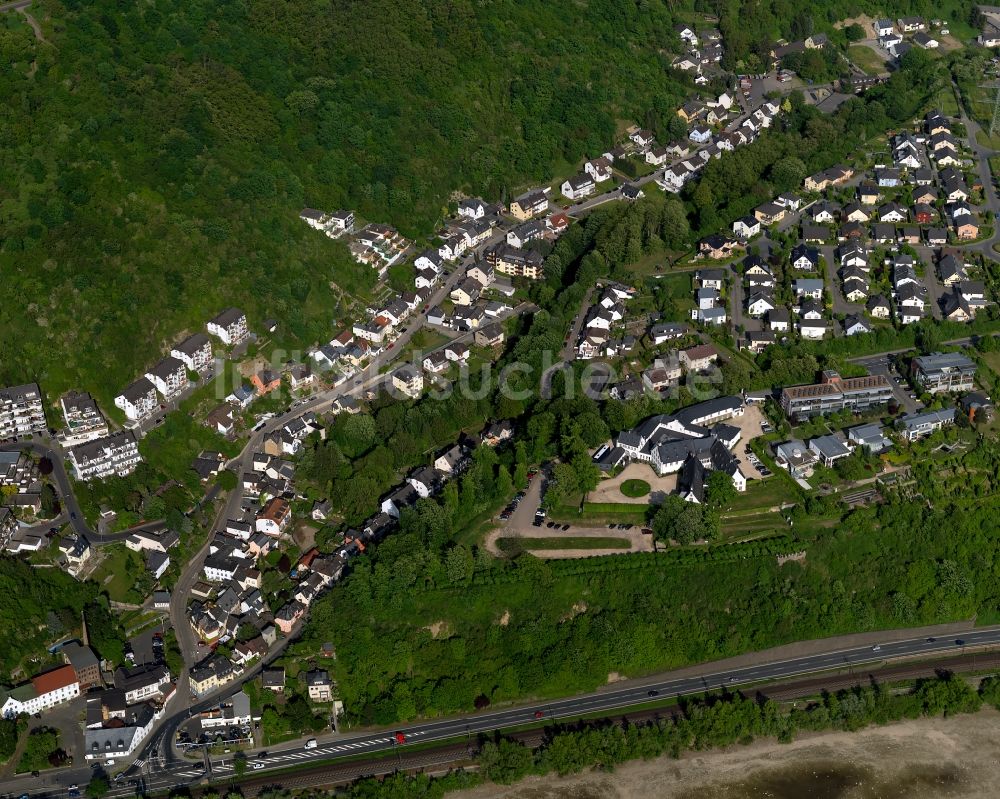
x: 926, y: 758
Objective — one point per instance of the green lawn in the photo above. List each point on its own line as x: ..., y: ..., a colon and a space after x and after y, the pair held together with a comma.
x: 596, y: 513
x: 423, y: 340
x: 992, y: 360
x: 118, y: 573
x: 517, y: 544
x: 867, y: 59
x: 635, y: 488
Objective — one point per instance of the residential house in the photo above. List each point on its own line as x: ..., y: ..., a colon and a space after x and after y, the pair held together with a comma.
x: 526, y: 232
x: 599, y: 169
x: 855, y: 212
x: 829, y: 449
x: 578, y: 187
x: 778, y: 320
x: 265, y: 381
x: 698, y: 358
x: 878, y: 307
x: 408, y: 380
x: 758, y: 340
x: 914, y: 426
x: 808, y: 287
x: 892, y: 213
x: 869, y: 436
x: 855, y: 324
x: 888, y: 177
x: 746, y: 227
x: 489, y: 336
x: 760, y: 303
x: 966, y: 229
x: 805, y: 258
x: 814, y: 328
x: 796, y: 458
x: 319, y: 685
x: 769, y: 213
x: 661, y: 333
x: 273, y: 517
x: 718, y: 247
x: 531, y: 203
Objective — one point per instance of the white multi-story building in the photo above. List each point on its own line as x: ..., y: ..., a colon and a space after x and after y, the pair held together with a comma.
x: 230, y: 326
x: 45, y: 691
x: 84, y: 421
x: 115, y: 454
x: 195, y: 352
x: 21, y: 411
x: 169, y: 375
x: 138, y: 400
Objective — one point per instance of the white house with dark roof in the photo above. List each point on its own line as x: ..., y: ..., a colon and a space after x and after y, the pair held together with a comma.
x: 578, y: 187
x: 138, y: 400
x: 169, y: 376
x: 195, y: 352
x: 230, y: 326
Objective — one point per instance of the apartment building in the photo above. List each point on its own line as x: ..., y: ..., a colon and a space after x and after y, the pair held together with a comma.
x: 195, y: 352
x: 116, y: 454
x: 84, y: 421
x: 508, y: 260
x: 529, y: 204
x: 169, y: 375
x: 230, y: 326
x: 21, y: 411
x: 138, y: 401
x: 944, y: 372
x: 834, y: 393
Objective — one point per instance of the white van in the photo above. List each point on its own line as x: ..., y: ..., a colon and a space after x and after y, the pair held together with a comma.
x: 311, y: 743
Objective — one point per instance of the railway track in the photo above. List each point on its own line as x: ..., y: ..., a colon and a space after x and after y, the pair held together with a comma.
x: 462, y: 755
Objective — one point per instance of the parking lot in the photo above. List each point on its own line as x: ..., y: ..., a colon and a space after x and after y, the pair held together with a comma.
x: 882, y: 365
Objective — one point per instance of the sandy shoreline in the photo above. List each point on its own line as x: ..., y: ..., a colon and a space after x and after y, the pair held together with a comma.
x: 926, y: 759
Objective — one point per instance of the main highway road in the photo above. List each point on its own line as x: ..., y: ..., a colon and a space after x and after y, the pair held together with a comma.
x: 161, y: 770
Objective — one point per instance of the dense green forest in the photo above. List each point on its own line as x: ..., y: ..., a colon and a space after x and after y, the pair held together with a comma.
x: 42, y: 606
x: 158, y: 154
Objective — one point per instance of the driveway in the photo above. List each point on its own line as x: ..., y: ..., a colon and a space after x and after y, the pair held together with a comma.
x: 610, y: 490
x: 935, y: 291
x: 840, y: 303
x: 879, y: 365
x: 749, y: 426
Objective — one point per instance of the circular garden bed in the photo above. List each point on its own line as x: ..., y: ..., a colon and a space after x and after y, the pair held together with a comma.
x: 635, y: 488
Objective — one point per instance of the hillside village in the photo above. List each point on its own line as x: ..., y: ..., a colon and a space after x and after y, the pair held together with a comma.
x: 897, y: 240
